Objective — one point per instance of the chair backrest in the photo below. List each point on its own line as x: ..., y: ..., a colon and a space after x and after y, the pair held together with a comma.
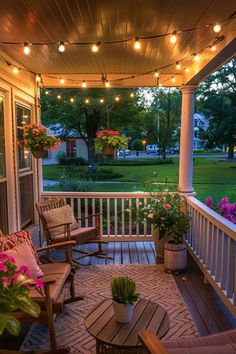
x: 48, y: 205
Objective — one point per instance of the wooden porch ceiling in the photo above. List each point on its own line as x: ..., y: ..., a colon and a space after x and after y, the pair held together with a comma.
x: 104, y: 20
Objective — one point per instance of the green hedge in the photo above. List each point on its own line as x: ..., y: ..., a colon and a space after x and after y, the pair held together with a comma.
x: 136, y: 162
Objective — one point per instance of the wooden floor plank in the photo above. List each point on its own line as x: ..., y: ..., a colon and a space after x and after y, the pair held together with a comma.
x: 151, y: 256
x: 133, y: 253
x: 125, y: 253
x: 141, y: 253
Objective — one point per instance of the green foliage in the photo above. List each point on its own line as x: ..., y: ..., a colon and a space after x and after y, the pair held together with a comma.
x: 64, y: 160
x: 137, y: 144
x: 111, y: 138
x: 124, y: 290
x: 136, y: 162
x: 75, y: 185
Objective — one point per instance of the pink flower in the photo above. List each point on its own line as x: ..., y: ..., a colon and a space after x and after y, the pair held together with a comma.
x: 24, y: 269
x: 6, y: 281
x: 3, y: 268
x: 166, y: 206
x: 15, y: 278
x: 39, y: 284
x: 4, y: 257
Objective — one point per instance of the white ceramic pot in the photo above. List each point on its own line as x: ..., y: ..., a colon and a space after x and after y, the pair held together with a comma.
x: 123, y: 312
x: 175, y: 257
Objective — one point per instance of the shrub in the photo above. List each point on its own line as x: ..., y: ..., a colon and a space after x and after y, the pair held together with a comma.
x: 101, y: 174
x: 64, y: 160
x: 75, y: 185
x: 224, y: 208
x: 136, y: 162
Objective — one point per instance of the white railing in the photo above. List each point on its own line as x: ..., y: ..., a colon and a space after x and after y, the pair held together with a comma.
x: 116, y: 217
x: 212, y: 243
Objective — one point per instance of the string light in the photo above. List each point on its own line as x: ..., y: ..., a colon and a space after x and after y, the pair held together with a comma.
x: 101, y: 100
x: 160, y: 85
x: 217, y: 28
x: 62, y: 81
x: 87, y: 101
x: 173, y: 79
x: 38, y: 78
x: 72, y: 100
x: 213, y: 48
x: 156, y: 73
x: 107, y: 84
x: 173, y: 37
x: 187, y: 70
x: 61, y: 47
x: 46, y: 93
x: 196, y: 57
x: 132, y: 95
x: 84, y: 84
x: 15, y: 70
x: 178, y: 66
x: 95, y: 47
x: 117, y: 98
x: 137, y: 44
x: 58, y: 97
x: 26, y: 48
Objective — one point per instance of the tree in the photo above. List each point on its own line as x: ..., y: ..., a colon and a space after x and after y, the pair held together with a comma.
x: 71, y: 111
x: 216, y: 97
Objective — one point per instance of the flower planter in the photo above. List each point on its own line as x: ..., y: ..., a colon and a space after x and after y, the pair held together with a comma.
x: 123, y: 312
x: 38, y: 153
x: 175, y: 257
x: 108, y: 151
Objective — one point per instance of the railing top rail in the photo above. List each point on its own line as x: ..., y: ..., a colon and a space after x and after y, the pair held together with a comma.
x: 222, y: 223
x: 97, y: 194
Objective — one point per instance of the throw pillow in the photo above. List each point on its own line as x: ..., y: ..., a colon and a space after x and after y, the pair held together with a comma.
x: 23, y: 255
x: 58, y: 216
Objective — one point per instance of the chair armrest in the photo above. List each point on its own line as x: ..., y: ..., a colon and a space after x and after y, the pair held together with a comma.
x: 57, y: 245
x: 53, y: 227
x: 151, y: 342
x: 48, y: 279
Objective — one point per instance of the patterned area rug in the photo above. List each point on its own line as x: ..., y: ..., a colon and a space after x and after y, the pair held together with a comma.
x: 94, y: 282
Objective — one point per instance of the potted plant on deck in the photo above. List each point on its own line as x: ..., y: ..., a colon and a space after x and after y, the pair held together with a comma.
x: 109, y: 140
x: 124, y: 296
x: 38, y: 139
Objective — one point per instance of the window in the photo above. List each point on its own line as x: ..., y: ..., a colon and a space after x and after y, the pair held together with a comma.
x: 26, y: 200
x: 71, y: 148
x: 3, y: 182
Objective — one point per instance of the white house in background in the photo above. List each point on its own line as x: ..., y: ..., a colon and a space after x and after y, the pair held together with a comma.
x: 72, y: 144
x: 201, y: 124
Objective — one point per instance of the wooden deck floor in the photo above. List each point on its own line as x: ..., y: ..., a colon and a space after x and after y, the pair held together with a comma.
x: 207, y: 310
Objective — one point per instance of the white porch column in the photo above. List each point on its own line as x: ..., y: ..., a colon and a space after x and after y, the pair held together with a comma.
x: 186, y: 140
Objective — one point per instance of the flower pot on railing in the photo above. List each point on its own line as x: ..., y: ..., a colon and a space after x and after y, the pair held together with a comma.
x: 108, y: 151
x: 175, y: 257
x: 38, y: 153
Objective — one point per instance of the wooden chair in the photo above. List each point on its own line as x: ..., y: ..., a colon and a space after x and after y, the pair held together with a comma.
x: 82, y: 235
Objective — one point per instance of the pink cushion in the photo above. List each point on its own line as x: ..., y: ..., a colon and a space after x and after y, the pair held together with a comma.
x: 9, y: 241
x: 23, y: 255
x: 57, y: 216
x: 214, y: 349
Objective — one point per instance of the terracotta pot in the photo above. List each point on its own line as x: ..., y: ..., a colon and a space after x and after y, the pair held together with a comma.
x: 123, y: 312
x: 175, y: 257
x: 108, y: 151
x: 159, y: 244
x: 38, y: 153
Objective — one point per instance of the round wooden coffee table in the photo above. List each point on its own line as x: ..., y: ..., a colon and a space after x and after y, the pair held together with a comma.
x: 114, y: 337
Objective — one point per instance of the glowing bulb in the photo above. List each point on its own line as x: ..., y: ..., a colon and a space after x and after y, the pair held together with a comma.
x: 187, y: 70
x: 107, y: 83
x: 62, y: 81
x: 137, y: 44
x: 101, y: 100
x: 196, y: 57
x: 46, y: 92
x: 173, y: 79
x: 132, y: 95
x: 58, y: 97
x: 213, y: 48
x: 72, y: 100
x: 117, y: 98
x: 38, y: 78
x: 15, y: 70
x: 61, y: 47
x: 87, y: 101
x: 173, y: 38
x: 160, y: 85
x: 84, y: 84
x: 178, y: 66
x: 217, y: 28
x: 26, y: 48
x: 156, y: 73
x: 95, y: 47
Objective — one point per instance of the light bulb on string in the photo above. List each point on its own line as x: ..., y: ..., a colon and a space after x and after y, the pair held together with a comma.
x: 61, y: 47
x: 173, y: 37
x: 107, y: 84
x: 132, y: 95
x: 26, y: 48
x: 156, y: 73
x: 15, y: 70
x: 187, y: 70
x: 217, y: 28
x: 87, y: 101
x: 58, y: 97
x: 196, y: 57
x: 38, y: 78
x: 160, y: 85
x: 101, y: 100
x: 117, y: 98
x: 137, y: 44
x: 84, y: 84
x: 178, y: 65
x: 213, y: 48
x: 95, y: 47
x: 72, y: 100
x: 46, y: 93
x: 62, y: 81
x: 173, y: 79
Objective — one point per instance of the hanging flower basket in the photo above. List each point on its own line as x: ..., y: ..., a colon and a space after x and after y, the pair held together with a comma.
x: 38, y: 153
x: 108, y: 151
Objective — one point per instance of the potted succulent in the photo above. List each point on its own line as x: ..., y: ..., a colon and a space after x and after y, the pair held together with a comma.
x: 15, y: 286
x: 109, y: 140
x: 38, y: 139
x: 124, y: 296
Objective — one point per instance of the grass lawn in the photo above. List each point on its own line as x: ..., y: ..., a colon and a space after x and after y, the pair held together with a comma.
x: 212, y: 177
